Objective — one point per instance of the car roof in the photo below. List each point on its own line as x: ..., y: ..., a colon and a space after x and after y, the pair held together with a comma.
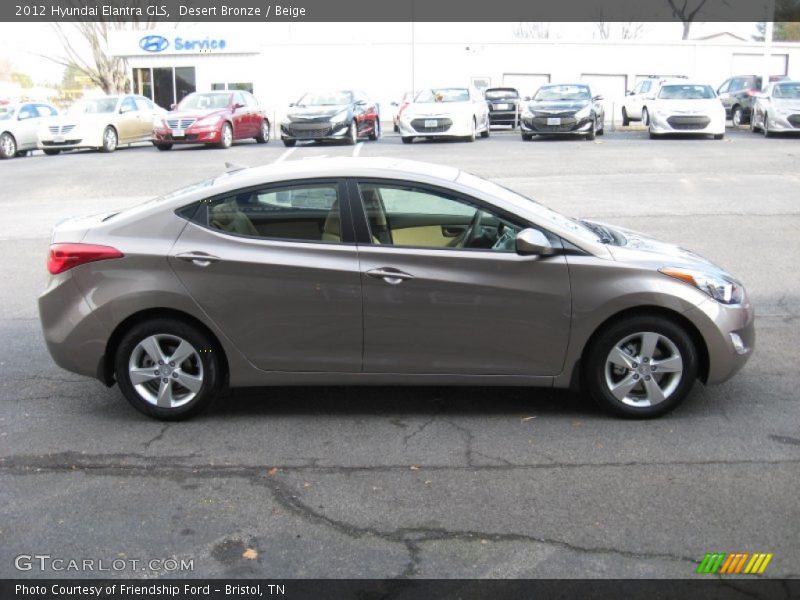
x: 338, y: 167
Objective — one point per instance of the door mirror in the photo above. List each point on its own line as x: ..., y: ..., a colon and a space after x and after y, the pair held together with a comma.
x: 629, y: 93
x: 532, y: 242
x: 237, y: 105
x: 598, y: 98
x: 394, y: 104
x: 173, y: 106
x: 526, y: 98
x: 124, y: 109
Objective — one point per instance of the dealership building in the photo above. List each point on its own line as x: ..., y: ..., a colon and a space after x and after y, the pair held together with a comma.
x: 279, y: 61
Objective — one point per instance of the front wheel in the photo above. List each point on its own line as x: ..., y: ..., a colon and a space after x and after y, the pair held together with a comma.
x: 52, y: 152
x: 527, y: 137
x: 110, y: 140
x: 289, y: 143
x: 737, y: 117
x: 645, y: 117
x: 168, y: 369
x: 640, y: 367
x: 592, y: 132
x: 352, y: 134
x: 8, y: 146
x: 376, y: 131
x: 225, y: 136
x: 625, y: 120
x: 163, y: 147
x: 719, y: 136
x: 407, y: 139
x: 263, y: 134
x: 487, y: 133
x: 765, y: 127
x: 471, y: 137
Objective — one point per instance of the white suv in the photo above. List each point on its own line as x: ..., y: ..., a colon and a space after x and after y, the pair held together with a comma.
x: 634, y: 107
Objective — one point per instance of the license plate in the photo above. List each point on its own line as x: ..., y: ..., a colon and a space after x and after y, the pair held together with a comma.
x: 59, y: 139
x: 178, y: 133
x: 502, y: 106
x: 431, y: 122
x: 553, y: 121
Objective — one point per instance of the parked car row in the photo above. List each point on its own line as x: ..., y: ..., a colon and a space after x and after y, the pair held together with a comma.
x: 666, y: 105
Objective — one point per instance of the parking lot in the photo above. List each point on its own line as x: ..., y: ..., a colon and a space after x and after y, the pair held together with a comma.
x: 418, y: 482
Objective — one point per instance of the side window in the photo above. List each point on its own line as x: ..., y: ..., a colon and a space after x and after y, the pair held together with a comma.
x: 128, y: 105
x: 143, y: 104
x: 250, y: 100
x: 646, y: 86
x: 401, y: 215
x: 736, y: 85
x: 307, y: 213
x: 724, y: 87
x: 45, y: 110
x: 238, y: 98
x: 27, y: 111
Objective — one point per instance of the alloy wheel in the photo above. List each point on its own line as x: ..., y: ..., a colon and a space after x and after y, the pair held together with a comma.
x: 643, y: 369
x: 8, y: 145
x: 165, y: 370
x: 109, y: 140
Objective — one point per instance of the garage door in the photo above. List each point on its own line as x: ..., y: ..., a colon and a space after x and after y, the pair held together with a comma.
x: 526, y: 83
x: 611, y: 87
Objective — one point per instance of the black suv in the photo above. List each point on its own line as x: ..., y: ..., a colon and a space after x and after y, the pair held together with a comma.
x: 737, y: 95
x: 503, y: 103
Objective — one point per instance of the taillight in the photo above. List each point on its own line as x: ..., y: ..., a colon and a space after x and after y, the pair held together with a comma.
x: 63, y: 257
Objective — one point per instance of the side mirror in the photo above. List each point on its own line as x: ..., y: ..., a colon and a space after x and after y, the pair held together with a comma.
x: 532, y: 242
x: 598, y: 98
x: 394, y: 104
x: 526, y: 98
x: 173, y: 106
x: 124, y: 109
x: 629, y: 93
x: 237, y: 106
x: 291, y: 104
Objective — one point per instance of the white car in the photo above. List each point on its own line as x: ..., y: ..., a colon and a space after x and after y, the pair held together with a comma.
x: 445, y: 112
x: 19, y: 127
x: 636, y: 101
x: 101, y: 123
x: 777, y: 110
x: 686, y: 107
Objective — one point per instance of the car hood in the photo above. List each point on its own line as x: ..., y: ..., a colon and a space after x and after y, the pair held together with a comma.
x: 786, y: 103
x: 315, y: 112
x: 193, y: 114
x: 689, y: 106
x: 433, y: 109
x: 558, y: 105
x: 633, y: 246
x: 83, y: 118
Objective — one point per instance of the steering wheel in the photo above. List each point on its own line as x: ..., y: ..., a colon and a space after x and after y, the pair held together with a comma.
x: 471, y: 232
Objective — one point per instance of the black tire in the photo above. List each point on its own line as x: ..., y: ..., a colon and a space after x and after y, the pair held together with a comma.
x: 596, y: 355
x: 225, y: 136
x: 487, y: 133
x: 163, y: 147
x: 8, y: 145
x: 52, y: 152
x: 719, y: 136
x: 376, y: 131
x: 653, y: 136
x: 352, y: 134
x: 645, y: 117
x: 288, y: 143
x: 737, y: 116
x: 110, y: 140
x: 264, y: 133
x: 212, y: 375
x: 407, y: 139
x: 765, y: 128
x: 527, y: 137
x: 396, y: 127
x: 625, y: 120
x: 592, y: 132
x: 471, y: 137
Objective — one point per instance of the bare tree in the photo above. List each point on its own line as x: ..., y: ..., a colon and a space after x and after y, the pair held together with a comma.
x: 603, y: 29
x: 683, y: 11
x: 631, y: 30
x: 532, y: 31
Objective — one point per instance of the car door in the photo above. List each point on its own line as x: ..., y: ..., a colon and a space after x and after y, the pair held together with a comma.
x: 239, y: 116
x: 146, y: 115
x: 25, y: 131
x: 128, y: 121
x: 276, y: 269
x: 433, y: 306
x: 254, y: 114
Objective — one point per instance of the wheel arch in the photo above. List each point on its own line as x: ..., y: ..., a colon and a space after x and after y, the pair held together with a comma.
x: 641, y: 311
x: 106, y: 367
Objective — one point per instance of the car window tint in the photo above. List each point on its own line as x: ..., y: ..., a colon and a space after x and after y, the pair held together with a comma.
x: 128, y: 104
x: 27, y: 112
x: 646, y: 86
x: 725, y: 86
x: 301, y: 213
x: 142, y: 104
x: 250, y: 100
x: 414, y: 217
x: 44, y: 110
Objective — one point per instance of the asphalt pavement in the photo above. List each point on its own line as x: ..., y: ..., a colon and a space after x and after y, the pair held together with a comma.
x: 417, y: 482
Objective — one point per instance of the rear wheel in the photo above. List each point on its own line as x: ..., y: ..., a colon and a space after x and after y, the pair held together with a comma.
x: 719, y: 136
x: 737, y: 116
x: 625, y: 120
x: 168, y: 369
x: 263, y: 134
x: 8, y: 145
x: 487, y: 133
x: 645, y: 117
x: 640, y: 367
x: 110, y: 140
x: 527, y: 137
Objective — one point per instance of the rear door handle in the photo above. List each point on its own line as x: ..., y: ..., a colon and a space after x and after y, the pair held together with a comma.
x: 389, y: 275
x: 201, y: 259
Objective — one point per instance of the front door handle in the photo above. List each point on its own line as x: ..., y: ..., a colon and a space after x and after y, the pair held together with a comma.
x: 201, y: 259
x: 389, y: 275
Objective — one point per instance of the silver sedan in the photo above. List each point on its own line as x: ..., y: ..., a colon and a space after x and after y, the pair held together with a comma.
x: 376, y: 271
x: 777, y: 110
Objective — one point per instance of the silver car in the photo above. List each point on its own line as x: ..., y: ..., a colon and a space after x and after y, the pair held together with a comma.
x: 19, y: 127
x: 377, y: 271
x: 777, y: 110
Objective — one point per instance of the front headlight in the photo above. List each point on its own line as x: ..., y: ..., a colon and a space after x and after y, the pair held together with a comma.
x: 722, y: 289
x: 340, y: 117
x: 526, y: 111
x: 583, y: 113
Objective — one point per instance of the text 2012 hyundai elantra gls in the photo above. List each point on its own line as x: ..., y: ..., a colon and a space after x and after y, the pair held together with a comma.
x: 369, y: 271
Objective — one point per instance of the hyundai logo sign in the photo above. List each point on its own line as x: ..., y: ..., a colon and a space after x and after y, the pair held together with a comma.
x: 154, y: 43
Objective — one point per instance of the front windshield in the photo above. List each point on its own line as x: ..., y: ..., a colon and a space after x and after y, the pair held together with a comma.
x: 96, y: 106
x: 501, y: 94
x: 205, y: 102
x: 787, y: 90
x: 443, y: 95
x: 326, y: 99
x: 686, y: 92
x: 562, y: 92
x: 546, y: 215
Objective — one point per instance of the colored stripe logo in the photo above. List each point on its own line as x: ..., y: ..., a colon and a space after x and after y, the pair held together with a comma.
x: 734, y: 564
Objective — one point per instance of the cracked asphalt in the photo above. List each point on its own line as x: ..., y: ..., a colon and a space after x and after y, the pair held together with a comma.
x: 418, y: 482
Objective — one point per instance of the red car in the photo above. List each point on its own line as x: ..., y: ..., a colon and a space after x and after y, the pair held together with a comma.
x: 212, y: 118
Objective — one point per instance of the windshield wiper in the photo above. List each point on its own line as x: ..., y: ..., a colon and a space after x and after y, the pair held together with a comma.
x: 604, y: 235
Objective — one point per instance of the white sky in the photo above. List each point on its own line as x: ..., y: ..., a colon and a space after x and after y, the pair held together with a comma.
x: 25, y: 44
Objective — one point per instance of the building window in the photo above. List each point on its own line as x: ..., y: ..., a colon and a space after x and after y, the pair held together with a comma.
x: 219, y: 87
x: 164, y: 85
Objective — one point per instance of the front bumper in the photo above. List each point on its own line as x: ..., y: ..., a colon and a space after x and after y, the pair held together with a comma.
x: 76, y: 138
x: 779, y: 122
x: 314, y: 130
x: 192, y: 135
x: 686, y: 124
x: 446, y: 126
x: 503, y: 117
x: 568, y: 125
x: 720, y: 325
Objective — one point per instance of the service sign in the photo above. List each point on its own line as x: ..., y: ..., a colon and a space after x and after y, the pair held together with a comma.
x: 179, y: 42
